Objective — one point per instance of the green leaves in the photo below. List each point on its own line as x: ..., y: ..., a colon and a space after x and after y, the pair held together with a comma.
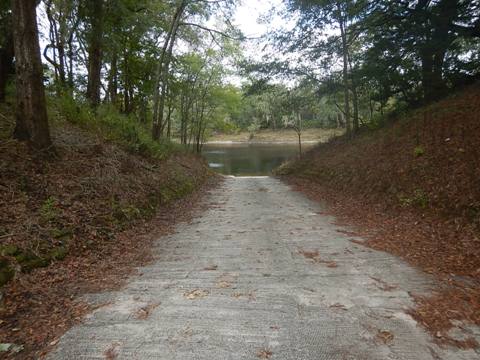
x: 13, y: 348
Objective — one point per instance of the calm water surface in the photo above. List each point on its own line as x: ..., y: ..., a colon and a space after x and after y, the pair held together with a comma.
x: 248, y: 159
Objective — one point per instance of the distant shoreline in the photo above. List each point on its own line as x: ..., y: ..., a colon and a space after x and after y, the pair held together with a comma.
x: 260, y: 142
x: 272, y: 137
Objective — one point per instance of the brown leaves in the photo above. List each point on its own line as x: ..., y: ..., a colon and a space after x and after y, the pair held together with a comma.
x: 112, y: 352
x: 432, y: 244
x: 264, y: 354
x: 439, y: 311
x: 383, y: 285
x: 196, y: 294
x: 224, y: 284
x: 315, y: 256
x: 226, y: 281
x: 249, y: 295
x: 331, y: 264
x: 89, y: 189
x: 144, y: 312
x: 384, y: 336
x: 424, y: 209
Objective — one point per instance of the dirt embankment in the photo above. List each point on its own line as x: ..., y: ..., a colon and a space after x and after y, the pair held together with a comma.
x: 412, y: 189
x: 77, y: 222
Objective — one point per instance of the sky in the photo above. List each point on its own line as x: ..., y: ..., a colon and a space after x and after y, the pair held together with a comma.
x: 248, y: 12
x: 248, y: 19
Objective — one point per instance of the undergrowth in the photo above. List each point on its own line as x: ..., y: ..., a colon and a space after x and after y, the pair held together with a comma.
x: 107, y: 122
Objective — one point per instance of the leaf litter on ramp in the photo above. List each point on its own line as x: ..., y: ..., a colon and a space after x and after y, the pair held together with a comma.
x: 196, y: 294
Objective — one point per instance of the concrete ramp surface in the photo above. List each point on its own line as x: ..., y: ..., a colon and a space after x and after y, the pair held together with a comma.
x: 261, y: 274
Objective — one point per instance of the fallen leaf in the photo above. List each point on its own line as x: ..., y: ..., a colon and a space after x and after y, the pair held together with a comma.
x: 112, y: 352
x: 145, y: 311
x: 211, y: 268
x: 224, y: 284
x: 264, y: 354
x: 385, y: 336
x: 196, y: 294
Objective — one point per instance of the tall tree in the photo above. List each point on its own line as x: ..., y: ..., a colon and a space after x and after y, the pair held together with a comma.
x: 162, y: 72
x: 96, y: 14
x: 6, y: 47
x: 426, y: 41
x: 340, y: 14
x: 312, y: 37
x: 31, y: 114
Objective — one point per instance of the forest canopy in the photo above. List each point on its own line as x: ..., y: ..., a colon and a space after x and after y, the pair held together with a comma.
x: 178, y: 70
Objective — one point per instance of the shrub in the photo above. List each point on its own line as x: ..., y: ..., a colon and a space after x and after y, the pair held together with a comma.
x: 418, y: 151
x: 419, y: 198
x: 48, y: 211
x: 113, y: 126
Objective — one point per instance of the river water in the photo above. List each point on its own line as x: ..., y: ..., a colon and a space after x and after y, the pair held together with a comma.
x: 248, y: 159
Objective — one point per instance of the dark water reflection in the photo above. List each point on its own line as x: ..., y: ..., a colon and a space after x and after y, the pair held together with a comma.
x: 248, y: 159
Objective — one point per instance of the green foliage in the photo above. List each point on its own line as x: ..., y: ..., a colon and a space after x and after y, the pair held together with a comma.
x: 113, y: 126
x: 275, y: 106
x: 29, y: 261
x: 6, y: 271
x: 418, y: 151
x: 48, y: 211
x: 396, y: 54
x: 125, y: 214
x: 9, y: 250
x: 419, y: 199
x: 253, y: 128
x: 204, y: 103
x: 71, y: 110
x: 61, y: 234
x: 59, y: 253
x: 126, y: 130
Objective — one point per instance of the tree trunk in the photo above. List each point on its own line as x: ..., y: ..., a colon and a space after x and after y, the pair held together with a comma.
x: 127, y: 101
x: 370, y: 104
x: 70, y: 53
x: 299, y: 133
x: 6, y: 63
x: 143, y: 109
x: 162, y: 73
x: 169, y: 122
x: 432, y: 79
x: 299, y: 143
x: 56, y: 44
x: 61, y: 38
x: 434, y: 49
x: 345, y: 73
x: 31, y: 115
x: 95, y: 52
x: 112, y: 80
x: 356, y: 124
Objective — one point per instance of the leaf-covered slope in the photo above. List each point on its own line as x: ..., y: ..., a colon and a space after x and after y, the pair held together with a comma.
x: 79, y: 221
x: 421, y: 174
